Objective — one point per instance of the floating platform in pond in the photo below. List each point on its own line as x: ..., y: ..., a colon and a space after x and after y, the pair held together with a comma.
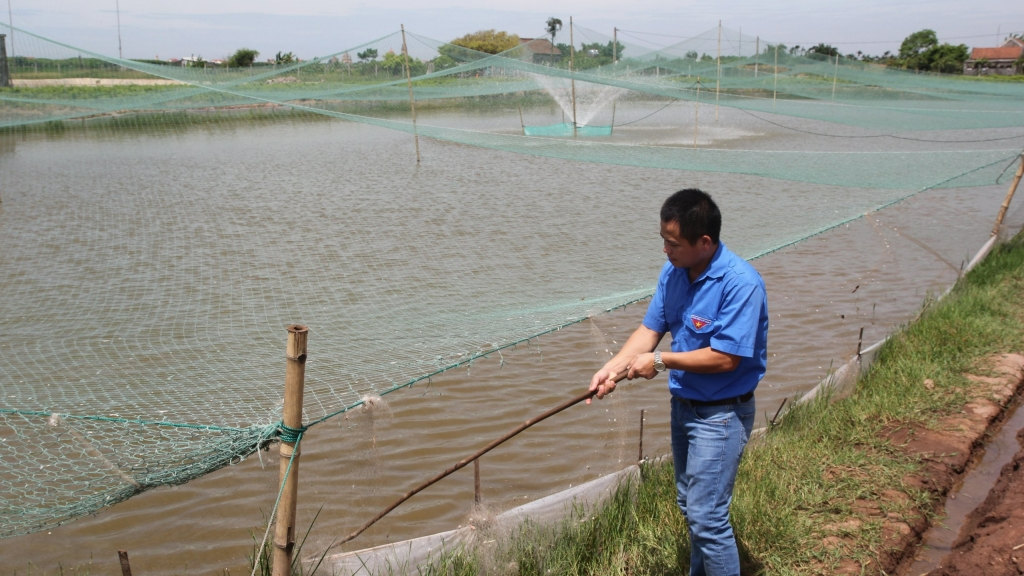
x: 564, y: 129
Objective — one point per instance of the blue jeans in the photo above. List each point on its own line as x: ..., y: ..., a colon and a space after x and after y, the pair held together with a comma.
x: 707, y: 443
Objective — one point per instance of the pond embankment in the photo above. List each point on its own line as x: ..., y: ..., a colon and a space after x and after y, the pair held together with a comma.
x: 840, y: 485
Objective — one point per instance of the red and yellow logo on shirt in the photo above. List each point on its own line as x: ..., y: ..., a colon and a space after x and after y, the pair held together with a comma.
x: 699, y: 322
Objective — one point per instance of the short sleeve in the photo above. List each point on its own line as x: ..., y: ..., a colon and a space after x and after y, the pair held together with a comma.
x: 739, y: 320
x: 655, y: 317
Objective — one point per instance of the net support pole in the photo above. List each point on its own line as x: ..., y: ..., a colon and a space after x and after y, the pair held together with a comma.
x: 412, y: 101
x: 521, y: 123
x: 5, y: 71
x: 611, y: 129
x: 775, y: 88
x: 718, y: 78
x: 294, y: 381
x: 615, y: 45
x: 10, y: 20
x: 835, y: 78
x: 1009, y: 195
x: 696, y: 114
x: 572, y: 75
x: 757, y: 52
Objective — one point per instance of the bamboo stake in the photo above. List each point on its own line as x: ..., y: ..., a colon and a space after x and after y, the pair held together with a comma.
x: 126, y: 569
x: 757, y: 52
x: 412, y: 102
x: 696, y: 114
x: 294, y: 380
x: 521, y: 123
x: 718, y: 79
x: 1009, y: 196
x: 775, y: 89
x: 572, y: 75
x: 640, y: 456
x: 477, y: 497
x: 611, y: 129
x: 835, y: 77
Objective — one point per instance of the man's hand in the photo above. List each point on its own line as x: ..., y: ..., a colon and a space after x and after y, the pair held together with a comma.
x: 642, y: 366
x: 604, y: 382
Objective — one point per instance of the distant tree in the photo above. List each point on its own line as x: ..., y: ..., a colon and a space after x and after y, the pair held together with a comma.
x: 552, y: 26
x: 915, y: 47
x: 368, y: 54
x: 243, y: 57
x: 604, y: 50
x: 284, y: 58
x: 488, y: 41
x: 796, y: 50
x: 394, y: 64
x: 692, y: 55
x: 922, y: 51
x: 823, y: 49
x: 706, y: 58
x: 198, y: 62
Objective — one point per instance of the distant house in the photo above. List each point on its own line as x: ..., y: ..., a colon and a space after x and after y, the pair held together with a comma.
x: 1004, y: 60
x: 540, y: 50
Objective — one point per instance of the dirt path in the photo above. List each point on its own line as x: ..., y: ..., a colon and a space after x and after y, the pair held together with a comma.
x: 991, y: 541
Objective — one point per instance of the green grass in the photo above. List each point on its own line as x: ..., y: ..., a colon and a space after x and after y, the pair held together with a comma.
x: 800, y: 481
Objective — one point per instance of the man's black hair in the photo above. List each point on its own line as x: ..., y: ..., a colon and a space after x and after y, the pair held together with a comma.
x: 695, y: 213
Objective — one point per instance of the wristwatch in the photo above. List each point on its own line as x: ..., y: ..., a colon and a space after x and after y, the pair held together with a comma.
x: 659, y: 366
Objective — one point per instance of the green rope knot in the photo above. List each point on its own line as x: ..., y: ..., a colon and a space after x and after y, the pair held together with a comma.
x: 288, y: 434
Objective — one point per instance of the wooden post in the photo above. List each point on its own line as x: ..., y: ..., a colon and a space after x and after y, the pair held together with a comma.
x: 126, y: 569
x: 615, y: 45
x: 860, y: 341
x: 477, y: 497
x: 1009, y: 196
x: 294, y: 380
x: 718, y: 78
x: 521, y: 123
x: 572, y: 75
x: 412, y: 102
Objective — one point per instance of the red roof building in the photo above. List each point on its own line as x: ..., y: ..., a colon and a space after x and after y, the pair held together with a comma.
x: 1005, y: 60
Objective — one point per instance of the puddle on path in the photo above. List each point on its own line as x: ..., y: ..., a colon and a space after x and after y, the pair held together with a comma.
x: 979, y: 481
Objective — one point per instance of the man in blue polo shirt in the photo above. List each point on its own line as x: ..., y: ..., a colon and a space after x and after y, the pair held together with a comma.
x: 714, y: 304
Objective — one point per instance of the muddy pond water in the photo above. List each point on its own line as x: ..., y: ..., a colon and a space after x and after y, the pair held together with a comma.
x: 82, y: 188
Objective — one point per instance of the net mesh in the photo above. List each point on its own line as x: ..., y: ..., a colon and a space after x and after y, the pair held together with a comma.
x: 147, y: 271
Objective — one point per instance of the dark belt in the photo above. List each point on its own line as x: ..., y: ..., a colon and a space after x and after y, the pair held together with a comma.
x: 722, y: 402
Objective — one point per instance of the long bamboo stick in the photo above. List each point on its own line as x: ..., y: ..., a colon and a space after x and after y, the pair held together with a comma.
x: 412, y: 101
x: 295, y: 373
x: 465, y: 461
x: 1009, y: 196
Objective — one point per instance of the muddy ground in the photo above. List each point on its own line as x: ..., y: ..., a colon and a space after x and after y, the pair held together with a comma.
x: 947, y: 451
x: 991, y: 541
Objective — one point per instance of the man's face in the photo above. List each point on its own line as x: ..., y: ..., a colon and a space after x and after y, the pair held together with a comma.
x: 681, y: 253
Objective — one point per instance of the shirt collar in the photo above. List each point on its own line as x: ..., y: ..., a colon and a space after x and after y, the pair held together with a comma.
x: 718, y: 265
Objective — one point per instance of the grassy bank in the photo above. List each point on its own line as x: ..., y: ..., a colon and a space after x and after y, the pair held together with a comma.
x: 800, y: 483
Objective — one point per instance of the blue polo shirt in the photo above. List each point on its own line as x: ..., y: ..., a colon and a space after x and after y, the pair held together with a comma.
x: 726, y: 309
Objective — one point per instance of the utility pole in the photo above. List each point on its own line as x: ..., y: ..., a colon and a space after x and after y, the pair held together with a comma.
x: 572, y: 75
x: 120, y: 54
x: 10, y: 20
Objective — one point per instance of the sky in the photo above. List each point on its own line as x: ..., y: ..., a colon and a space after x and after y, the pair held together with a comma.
x: 308, y: 28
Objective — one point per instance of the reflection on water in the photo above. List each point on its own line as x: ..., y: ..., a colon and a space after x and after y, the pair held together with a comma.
x: 872, y: 273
